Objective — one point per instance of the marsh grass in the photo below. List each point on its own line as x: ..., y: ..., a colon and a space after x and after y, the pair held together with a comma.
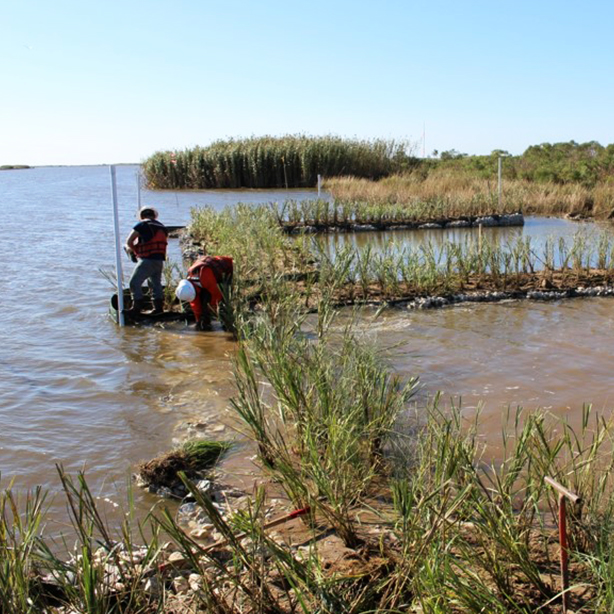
x: 456, y: 529
x: 469, y: 532
x: 273, y: 268
x: 456, y: 194
x: 323, y: 430
x: 322, y: 215
x: 394, y: 273
x: 251, y: 236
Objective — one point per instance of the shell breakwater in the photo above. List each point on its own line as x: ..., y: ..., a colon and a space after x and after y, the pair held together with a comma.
x: 434, y: 302
x: 513, y: 219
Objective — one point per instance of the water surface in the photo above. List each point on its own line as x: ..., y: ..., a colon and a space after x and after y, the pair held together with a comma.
x: 77, y: 390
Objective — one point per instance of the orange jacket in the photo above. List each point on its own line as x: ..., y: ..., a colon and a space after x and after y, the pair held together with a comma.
x: 156, y: 245
x: 205, y: 274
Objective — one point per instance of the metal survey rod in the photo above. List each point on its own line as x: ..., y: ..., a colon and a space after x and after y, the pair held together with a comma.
x: 564, y: 494
x: 118, y: 252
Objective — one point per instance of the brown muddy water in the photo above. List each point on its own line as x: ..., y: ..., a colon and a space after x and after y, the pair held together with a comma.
x: 78, y: 391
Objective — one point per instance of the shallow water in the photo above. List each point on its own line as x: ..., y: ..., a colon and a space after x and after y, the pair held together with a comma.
x: 491, y: 357
x: 78, y: 391
x: 75, y: 389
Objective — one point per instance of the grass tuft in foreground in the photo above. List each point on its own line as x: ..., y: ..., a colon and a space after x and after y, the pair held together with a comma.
x: 190, y: 458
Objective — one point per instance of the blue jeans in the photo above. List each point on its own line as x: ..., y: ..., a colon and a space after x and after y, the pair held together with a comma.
x: 150, y: 270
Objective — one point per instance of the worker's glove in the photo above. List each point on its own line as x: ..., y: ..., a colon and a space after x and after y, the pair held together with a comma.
x: 131, y: 254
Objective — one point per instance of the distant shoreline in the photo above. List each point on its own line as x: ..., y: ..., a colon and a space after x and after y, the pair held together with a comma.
x: 15, y: 167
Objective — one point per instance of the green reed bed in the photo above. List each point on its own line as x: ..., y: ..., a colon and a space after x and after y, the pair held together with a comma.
x: 334, y: 406
x: 273, y: 162
x: 451, y: 268
x: 250, y: 235
x: 469, y: 535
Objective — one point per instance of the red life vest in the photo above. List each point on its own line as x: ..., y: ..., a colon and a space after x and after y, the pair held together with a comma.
x: 221, y: 266
x: 156, y: 245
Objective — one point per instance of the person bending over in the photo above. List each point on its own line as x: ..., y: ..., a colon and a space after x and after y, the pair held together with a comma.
x: 201, y: 288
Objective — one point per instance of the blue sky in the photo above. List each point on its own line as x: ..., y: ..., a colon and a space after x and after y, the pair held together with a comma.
x: 88, y: 82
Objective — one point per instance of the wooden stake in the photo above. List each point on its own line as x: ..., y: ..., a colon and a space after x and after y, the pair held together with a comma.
x: 564, y: 494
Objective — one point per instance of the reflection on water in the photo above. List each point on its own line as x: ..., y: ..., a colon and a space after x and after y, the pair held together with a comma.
x: 77, y: 390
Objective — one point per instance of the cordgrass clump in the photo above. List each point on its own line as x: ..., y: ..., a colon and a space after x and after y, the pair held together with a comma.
x: 191, y: 458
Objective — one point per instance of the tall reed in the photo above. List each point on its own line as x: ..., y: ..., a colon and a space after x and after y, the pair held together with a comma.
x: 273, y: 162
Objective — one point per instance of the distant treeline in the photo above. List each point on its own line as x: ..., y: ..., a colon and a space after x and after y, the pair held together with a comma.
x: 587, y: 164
x: 296, y: 161
x: 275, y: 162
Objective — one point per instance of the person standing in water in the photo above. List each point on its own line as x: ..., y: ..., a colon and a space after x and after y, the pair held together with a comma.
x: 147, y: 243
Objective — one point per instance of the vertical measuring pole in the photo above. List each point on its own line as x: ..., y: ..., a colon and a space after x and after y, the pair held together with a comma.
x: 118, y: 252
x: 319, y: 185
x: 499, y: 174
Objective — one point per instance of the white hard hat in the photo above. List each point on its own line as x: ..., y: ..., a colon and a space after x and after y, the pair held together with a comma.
x: 185, y: 291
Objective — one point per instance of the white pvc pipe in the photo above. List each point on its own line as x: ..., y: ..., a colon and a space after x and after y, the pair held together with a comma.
x: 138, y: 191
x: 319, y: 185
x: 499, y: 173
x: 118, y: 252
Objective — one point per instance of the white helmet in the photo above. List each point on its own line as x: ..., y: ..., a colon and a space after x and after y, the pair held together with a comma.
x: 185, y: 291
